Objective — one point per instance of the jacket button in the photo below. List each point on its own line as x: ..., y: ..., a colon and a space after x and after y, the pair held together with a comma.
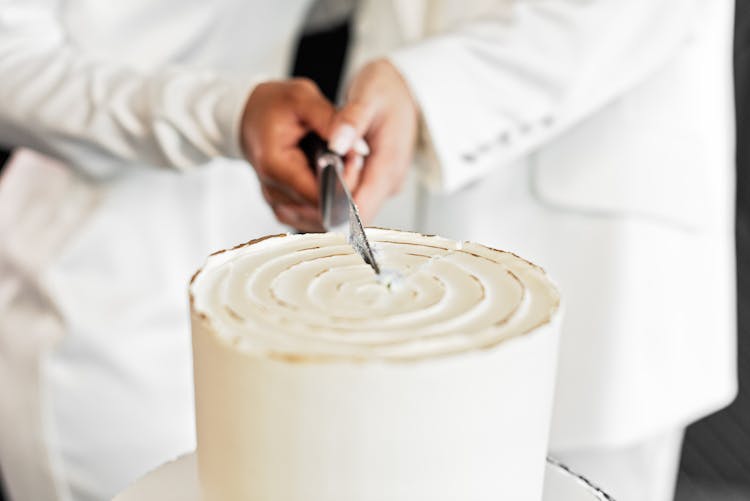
x: 468, y: 157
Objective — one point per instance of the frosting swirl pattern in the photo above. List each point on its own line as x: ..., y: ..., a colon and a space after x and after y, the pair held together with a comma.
x: 311, y: 297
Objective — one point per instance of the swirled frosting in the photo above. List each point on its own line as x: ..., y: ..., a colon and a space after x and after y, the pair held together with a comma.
x: 311, y: 297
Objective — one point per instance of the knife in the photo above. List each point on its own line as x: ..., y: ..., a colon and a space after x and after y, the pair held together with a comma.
x: 337, y: 208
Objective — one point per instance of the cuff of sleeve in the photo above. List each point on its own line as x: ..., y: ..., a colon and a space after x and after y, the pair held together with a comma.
x: 461, y: 137
x: 229, y: 110
x: 438, y: 161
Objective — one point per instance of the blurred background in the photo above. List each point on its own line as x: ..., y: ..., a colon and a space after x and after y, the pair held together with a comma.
x: 716, y: 454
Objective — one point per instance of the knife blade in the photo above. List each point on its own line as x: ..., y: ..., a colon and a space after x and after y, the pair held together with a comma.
x: 337, y: 208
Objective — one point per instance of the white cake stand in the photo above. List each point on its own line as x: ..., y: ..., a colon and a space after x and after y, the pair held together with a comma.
x: 178, y: 481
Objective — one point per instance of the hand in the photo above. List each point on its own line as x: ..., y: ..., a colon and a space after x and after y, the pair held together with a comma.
x: 277, y: 115
x: 380, y: 109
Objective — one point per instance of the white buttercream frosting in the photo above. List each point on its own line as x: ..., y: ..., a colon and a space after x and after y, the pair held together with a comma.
x: 311, y: 296
x: 303, y: 390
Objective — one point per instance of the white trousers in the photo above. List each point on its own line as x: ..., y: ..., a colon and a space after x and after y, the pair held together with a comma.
x: 646, y: 471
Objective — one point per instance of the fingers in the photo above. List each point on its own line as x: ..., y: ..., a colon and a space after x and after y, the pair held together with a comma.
x: 382, y: 177
x: 353, y: 164
x: 288, y: 211
x: 302, y: 218
x: 317, y: 113
x: 350, y: 124
x: 276, y: 195
x: 277, y: 115
x: 380, y: 108
x: 288, y: 171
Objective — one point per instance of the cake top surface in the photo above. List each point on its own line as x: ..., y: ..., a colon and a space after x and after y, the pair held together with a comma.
x: 312, y: 298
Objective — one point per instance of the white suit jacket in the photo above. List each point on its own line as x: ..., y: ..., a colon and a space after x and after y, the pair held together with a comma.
x: 596, y: 138
x: 591, y: 136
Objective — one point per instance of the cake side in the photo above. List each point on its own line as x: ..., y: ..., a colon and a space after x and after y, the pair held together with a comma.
x: 462, y: 427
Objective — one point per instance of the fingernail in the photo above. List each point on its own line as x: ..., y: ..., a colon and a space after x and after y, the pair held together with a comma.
x: 342, y: 140
x: 359, y: 162
x: 361, y: 147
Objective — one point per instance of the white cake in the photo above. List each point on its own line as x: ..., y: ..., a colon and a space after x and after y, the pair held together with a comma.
x: 316, y: 380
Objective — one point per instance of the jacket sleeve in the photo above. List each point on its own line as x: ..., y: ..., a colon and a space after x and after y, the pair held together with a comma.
x: 493, y: 89
x: 61, y: 101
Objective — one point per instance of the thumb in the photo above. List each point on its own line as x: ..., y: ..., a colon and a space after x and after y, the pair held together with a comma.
x: 350, y: 124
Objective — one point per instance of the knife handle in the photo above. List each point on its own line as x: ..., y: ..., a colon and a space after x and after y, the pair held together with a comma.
x: 314, y: 147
